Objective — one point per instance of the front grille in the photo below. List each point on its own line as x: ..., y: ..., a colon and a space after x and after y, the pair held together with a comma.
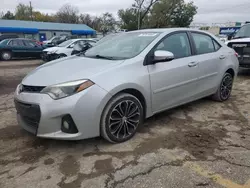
x: 30, y: 114
x: 32, y: 89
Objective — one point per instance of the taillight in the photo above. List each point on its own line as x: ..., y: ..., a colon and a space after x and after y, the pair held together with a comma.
x: 236, y: 54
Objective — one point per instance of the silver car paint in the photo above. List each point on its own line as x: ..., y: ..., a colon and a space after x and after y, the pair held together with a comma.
x: 163, y: 85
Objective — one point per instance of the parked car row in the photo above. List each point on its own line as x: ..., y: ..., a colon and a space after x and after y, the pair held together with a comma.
x: 23, y: 48
x: 64, y: 49
x: 18, y: 47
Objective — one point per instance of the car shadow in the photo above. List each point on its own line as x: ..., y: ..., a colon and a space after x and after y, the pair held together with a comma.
x: 244, y: 72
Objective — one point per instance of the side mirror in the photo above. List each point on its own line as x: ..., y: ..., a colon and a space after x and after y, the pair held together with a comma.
x: 163, y: 56
x: 229, y: 37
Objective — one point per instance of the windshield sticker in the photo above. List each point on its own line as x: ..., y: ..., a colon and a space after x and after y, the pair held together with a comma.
x: 147, y: 34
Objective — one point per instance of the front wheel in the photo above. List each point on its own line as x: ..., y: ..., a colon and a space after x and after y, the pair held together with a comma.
x: 6, y: 55
x: 121, y: 118
x: 225, y: 88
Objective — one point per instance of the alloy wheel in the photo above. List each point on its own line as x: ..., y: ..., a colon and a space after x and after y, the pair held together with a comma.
x: 124, y: 119
x: 226, y: 87
x: 6, y: 56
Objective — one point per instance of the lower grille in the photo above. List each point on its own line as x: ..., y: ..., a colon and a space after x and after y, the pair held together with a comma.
x: 30, y: 114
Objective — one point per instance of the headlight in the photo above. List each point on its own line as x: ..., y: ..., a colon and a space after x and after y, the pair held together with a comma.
x: 66, y: 89
x: 52, y: 52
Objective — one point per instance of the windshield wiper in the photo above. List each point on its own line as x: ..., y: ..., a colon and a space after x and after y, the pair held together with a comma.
x: 104, y: 57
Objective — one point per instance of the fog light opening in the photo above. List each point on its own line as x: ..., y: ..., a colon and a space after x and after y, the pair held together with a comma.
x: 68, y: 125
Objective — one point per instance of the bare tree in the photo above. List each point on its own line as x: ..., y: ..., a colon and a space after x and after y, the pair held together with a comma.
x: 86, y: 19
x: 67, y: 14
x: 143, y: 7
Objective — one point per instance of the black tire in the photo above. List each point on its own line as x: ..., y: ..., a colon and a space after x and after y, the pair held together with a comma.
x: 224, y: 91
x: 6, y: 55
x: 123, y: 127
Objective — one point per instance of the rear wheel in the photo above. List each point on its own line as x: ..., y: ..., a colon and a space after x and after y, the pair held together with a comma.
x: 225, y: 89
x: 121, y: 118
x: 6, y: 55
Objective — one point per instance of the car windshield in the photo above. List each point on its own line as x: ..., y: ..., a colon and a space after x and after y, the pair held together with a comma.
x: 243, y: 32
x: 52, y: 38
x: 122, y: 46
x: 66, y: 43
x: 4, y: 41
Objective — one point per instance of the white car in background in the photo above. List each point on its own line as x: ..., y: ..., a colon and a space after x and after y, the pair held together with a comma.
x: 64, y: 49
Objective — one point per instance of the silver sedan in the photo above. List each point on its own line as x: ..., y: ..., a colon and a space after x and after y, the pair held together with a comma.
x: 113, y: 87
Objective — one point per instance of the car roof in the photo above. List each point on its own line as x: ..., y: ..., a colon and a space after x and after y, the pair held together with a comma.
x: 20, y: 39
x: 167, y: 30
x: 87, y: 39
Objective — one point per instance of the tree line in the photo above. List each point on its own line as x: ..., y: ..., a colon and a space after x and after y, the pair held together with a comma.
x: 141, y: 14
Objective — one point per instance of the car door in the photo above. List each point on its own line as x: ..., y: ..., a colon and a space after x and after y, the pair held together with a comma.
x: 17, y: 47
x: 210, y: 62
x: 174, y: 82
x: 32, y: 49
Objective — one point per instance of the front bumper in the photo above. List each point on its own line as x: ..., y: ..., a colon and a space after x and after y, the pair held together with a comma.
x: 49, y: 57
x: 85, y: 108
x: 244, y: 61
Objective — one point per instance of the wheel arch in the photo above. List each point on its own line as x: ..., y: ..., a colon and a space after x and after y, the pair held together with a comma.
x: 139, y: 92
x: 138, y: 95
x: 231, y: 71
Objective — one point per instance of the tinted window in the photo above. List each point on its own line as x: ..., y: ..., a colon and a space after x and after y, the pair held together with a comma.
x: 216, y: 45
x: 203, y: 43
x: 16, y: 43
x: 29, y: 43
x: 178, y: 44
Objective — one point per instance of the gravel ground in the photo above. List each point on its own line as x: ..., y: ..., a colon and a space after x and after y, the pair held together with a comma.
x: 201, y: 144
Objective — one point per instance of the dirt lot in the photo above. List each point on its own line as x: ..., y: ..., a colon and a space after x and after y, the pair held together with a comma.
x: 202, y: 144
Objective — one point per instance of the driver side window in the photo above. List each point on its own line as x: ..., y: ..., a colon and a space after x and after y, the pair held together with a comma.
x: 178, y: 44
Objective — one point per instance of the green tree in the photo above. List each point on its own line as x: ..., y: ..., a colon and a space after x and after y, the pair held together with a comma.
x: 41, y: 17
x: 183, y: 15
x: 172, y: 13
x: 23, y: 12
x: 8, y: 16
x: 67, y: 14
x: 128, y: 18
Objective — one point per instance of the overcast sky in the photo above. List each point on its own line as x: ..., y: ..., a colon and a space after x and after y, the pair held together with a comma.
x: 209, y: 11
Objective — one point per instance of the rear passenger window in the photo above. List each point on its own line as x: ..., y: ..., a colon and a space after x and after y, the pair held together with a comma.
x: 216, y: 45
x: 203, y: 43
x: 16, y: 43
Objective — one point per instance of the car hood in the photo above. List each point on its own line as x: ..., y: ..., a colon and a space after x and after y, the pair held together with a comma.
x: 52, y: 49
x: 68, y: 69
x: 46, y: 41
x: 239, y: 40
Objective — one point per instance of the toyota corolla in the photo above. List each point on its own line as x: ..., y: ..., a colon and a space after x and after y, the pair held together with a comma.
x: 114, y: 86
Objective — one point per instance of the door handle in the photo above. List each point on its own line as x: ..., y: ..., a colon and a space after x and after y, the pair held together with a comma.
x: 193, y: 64
x: 222, y: 57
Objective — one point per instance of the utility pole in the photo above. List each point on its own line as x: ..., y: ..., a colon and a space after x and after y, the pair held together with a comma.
x: 139, y: 17
x: 31, y: 13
